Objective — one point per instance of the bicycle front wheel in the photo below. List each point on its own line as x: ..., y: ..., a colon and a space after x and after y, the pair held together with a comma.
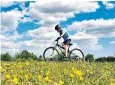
x: 51, y: 54
x: 76, y: 55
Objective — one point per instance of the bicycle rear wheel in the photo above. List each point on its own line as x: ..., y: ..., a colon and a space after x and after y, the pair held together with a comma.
x: 76, y: 55
x: 51, y: 54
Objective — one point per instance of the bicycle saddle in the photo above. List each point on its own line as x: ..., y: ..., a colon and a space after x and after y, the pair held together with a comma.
x: 70, y: 44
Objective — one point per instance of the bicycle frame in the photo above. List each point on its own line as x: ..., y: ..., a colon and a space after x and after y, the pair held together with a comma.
x: 60, y: 47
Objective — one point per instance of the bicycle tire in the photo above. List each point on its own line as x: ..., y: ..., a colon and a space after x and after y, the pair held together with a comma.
x: 83, y: 57
x: 46, y: 51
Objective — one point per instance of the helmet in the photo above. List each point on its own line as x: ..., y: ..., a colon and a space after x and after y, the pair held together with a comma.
x: 57, y: 27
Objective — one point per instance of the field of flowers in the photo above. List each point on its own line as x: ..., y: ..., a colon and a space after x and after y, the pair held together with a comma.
x: 57, y: 73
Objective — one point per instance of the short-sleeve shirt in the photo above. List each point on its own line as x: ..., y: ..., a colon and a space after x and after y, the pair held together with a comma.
x: 66, y: 36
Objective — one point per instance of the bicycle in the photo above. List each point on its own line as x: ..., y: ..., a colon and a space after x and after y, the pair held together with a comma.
x: 53, y: 54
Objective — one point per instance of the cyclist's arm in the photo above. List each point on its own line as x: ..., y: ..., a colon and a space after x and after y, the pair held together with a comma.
x: 61, y: 33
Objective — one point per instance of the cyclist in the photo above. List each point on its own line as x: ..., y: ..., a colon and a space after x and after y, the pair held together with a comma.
x: 63, y: 34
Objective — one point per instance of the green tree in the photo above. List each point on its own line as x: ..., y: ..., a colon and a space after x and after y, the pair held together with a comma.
x: 89, y: 57
x: 26, y: 55
x: 40, y: 58
x: 110, y: 59
x: 106, y: 59
x: 6, y: 57
x: 101, y: 59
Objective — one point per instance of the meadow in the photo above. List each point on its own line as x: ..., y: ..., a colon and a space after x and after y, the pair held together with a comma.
x: 57, y: 73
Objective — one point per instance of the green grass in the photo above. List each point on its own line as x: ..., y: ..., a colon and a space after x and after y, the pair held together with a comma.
x: 57, y: 73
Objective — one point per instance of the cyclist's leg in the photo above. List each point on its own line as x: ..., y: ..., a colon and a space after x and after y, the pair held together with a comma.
x: 66, y: 45
x: 66, y: 50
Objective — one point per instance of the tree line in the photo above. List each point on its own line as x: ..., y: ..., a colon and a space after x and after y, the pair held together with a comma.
x: 25, y: 55
x: 90, y: 57
x: 22, y: 56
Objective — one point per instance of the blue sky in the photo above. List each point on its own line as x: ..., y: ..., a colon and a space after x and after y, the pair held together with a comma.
x: 92, y: 26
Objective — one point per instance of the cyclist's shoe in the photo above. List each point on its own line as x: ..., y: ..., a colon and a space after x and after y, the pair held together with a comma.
x: 65, y: 56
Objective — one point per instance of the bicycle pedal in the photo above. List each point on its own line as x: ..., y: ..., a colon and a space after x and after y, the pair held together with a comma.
x: 65, y: 57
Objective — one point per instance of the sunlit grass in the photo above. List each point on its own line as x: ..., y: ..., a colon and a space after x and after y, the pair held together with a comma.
x: 57, y: 73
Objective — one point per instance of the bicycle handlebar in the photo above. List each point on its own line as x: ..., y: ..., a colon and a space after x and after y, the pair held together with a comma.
x: 58, y: 43
x: 57, y: 39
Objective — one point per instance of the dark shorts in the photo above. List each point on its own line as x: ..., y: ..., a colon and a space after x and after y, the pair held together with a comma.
x: 67, y: 42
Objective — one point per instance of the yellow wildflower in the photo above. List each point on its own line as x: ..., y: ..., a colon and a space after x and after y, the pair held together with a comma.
x: 7, y: 76
x: 81, y: 78
x: 47, y: 73
x: 27, y: 63
x: 55, y: 83
x: 26, y: 76
x: 73, y: 69
x: 112, y: 83
x: 43, y: 62
x: 20, y: 66
x: 61, y: 82
x: 15, y: 80
x: 72, y: 75
x: 77, y: 72
x: 47, y: 79
x: 39, y: 77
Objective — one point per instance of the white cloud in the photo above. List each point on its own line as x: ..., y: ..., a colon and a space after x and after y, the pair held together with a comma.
x: 34, y: 45
x: 108, y: 5
x: 11, y: 37
x: 40, y: 31
x: 9, y: 46
x: 86, y: 41
x: 57, y: 6
x: 112, y: 42
x: 52, y: 12
x: 26, y: 19
x: 9, y: 20
x: 5, y: 3
x: 88, y: 32
x: 98, y: 27
x: 9, y: 42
